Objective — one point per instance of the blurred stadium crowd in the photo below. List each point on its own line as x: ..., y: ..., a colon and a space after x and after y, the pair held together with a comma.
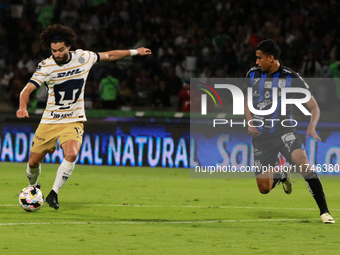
x: 188, y: 38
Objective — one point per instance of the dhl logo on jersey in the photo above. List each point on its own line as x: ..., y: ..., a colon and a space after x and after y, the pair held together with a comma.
x: 65, y: 74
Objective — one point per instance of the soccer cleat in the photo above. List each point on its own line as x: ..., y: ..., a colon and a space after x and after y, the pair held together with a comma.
x: 327, y: 218
x: 37, y: 185
x: 287, y: 185
x: 52, y: 200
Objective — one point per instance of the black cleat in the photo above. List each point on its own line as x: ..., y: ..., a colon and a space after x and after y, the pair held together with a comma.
x: 37, y: 185
x: 52, y: 200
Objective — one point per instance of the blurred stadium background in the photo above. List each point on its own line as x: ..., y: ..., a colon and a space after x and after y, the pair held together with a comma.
x: 188, y: 39
x: 146, y: 122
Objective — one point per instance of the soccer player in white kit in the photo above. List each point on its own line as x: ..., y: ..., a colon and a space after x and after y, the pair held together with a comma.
x: 64, y: 74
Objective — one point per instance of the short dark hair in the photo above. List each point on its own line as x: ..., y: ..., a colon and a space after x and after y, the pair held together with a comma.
x: 269, y: 47
x: 57, y: 33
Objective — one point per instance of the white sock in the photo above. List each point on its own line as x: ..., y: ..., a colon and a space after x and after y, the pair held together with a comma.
x: 64, y: 172
x: 33, y: 175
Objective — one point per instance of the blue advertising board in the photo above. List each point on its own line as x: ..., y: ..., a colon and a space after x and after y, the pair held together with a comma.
x: 133, y: 144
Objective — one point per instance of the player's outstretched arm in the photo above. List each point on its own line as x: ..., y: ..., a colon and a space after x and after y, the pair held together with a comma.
x: 119, y: 54
x: 23, y: 100
x: 314, y: 118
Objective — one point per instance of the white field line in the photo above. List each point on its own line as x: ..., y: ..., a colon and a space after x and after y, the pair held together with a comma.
x: 148, y: 222
x: 192, y: 206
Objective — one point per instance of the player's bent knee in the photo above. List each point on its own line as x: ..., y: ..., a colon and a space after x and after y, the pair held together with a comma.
x: 71, y: 157
x: 264, y: 184
x: 33, y: 164
x: 35, y: 159
x: 264, y: 189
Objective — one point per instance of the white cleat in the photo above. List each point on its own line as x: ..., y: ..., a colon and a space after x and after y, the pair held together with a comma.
x: 327, y: 218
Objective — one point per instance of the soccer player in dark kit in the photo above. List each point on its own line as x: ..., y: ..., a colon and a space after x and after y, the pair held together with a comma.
x: 269, y: 137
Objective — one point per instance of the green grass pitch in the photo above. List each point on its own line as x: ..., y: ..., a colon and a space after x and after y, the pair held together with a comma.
x: 125, y: 210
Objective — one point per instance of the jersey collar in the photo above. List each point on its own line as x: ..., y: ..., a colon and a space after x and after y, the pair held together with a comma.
x: 278, y: 70
x: 69, y: 59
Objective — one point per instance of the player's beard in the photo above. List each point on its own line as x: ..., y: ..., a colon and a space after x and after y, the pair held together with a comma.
x: 61, y: 61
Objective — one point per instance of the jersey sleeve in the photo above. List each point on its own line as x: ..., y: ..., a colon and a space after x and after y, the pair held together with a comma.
x: 249, y: 80
x: 299, y: 82
x: 40, y: 75
x: 94, y: 57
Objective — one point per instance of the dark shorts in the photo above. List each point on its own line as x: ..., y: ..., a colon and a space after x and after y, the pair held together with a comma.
x: 266, y: 149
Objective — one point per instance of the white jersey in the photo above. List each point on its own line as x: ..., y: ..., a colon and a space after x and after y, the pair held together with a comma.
x: 66, y: 85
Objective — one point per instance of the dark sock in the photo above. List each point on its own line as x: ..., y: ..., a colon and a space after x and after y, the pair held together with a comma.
x: 277, y: 178
x: 315, y: 188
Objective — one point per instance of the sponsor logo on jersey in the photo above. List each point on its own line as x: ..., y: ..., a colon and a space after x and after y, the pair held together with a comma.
x: 268, y: 84
x: 255, y: 94
x: 263, y: 104
x: 69, y: 73
x: 281, y: 83
x: 61, y: 116
x: 267, y: 94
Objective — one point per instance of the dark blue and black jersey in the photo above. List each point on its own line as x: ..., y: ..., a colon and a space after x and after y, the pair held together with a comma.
x: 262, y: 84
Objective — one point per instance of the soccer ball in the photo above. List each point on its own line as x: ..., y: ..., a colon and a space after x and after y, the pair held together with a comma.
x: 31, y: 199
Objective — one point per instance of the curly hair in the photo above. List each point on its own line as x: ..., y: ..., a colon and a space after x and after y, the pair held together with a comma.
x: 57, y: 33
